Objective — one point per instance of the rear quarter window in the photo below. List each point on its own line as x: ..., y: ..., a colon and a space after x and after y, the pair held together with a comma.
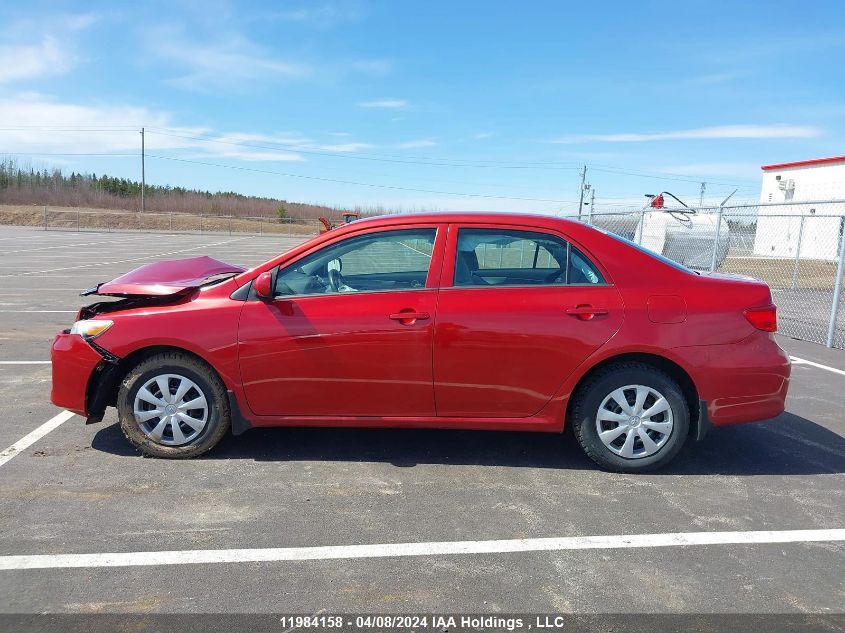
x: 652, y: 254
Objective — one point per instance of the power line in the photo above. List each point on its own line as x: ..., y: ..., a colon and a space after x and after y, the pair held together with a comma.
x: 67, y: 154
x: 400, y: 159
x: 360, y: 184
x: 381, y: 158
x: 134, y: 155
x: 665, y: 176
x: 570, y: 165
x: 368, y: 173
x: 303, y: 149
x: 66, y: 128
x: 627, y: 202
x: 278, y: 147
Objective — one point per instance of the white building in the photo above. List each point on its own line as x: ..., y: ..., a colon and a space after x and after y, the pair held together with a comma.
x: 791, y: 189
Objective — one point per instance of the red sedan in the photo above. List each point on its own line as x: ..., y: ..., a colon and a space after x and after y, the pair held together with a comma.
x: 463, y: 321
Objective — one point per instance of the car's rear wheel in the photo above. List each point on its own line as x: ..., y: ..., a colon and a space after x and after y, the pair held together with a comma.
x: 630, y: 417
x: 173, y: 405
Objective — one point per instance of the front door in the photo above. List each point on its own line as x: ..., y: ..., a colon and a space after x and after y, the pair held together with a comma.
x: 349, y: 333
x: 524, y: 309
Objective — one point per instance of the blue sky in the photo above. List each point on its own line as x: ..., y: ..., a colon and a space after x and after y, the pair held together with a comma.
x: 501, y: 102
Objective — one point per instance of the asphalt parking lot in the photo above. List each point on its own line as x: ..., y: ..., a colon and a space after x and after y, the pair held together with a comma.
x: 805, y: 313
x: 83, y: 490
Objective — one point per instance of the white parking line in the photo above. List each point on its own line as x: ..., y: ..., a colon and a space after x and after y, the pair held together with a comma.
x: 48, y: 248
x: 31, y: 438
x: 153, y: 257
x: 393, y: 550
x: 802, y: 361
x: 25, y: 362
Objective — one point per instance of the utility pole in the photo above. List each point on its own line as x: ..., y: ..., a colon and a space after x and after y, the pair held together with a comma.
x: 581, y: 199
x: 592, y: 204
x: 143, y: 176
x: 701, y: 195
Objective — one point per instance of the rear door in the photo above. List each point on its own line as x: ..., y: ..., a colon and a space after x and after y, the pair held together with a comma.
x: 519, y: 309
x: 350, y: 330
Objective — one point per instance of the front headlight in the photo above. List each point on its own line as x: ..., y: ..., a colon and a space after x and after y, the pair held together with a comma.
x: 91, y: 328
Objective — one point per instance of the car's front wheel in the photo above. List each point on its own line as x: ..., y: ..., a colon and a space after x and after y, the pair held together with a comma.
x: 630, y: 417
x: 173, y: 405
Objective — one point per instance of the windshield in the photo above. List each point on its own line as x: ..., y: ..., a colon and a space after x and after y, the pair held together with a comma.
x: 644, y: 250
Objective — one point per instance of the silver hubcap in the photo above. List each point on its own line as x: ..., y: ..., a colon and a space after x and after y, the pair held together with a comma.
x: 634, y: 421
x: 171, y: 409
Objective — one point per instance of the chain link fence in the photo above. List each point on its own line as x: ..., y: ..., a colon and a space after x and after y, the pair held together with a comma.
x: 116, y: 221
x: 796, y: 248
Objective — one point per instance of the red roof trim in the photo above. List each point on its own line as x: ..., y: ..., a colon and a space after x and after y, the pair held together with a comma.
x: 805, y: 163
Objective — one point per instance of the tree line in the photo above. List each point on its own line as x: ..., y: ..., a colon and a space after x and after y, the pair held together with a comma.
x: 23, y: 184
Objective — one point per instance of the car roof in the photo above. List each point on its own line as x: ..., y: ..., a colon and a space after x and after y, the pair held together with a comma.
x: 611, y: 253
x: 464, y: 217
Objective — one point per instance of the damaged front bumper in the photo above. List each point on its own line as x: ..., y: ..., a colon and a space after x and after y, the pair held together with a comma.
x: 84, y: 375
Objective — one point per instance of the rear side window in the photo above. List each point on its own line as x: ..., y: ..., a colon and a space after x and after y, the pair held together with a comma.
x: 505, y: 257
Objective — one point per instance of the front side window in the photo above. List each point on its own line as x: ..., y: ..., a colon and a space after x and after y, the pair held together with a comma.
x: 387, y: 260
x: 504, y: 257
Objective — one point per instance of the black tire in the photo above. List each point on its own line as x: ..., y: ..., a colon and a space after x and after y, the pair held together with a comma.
x: 589, y: 397
x: 218, y: 420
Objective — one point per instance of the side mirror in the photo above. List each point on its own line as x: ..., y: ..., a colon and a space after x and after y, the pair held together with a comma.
x: 263, y: 285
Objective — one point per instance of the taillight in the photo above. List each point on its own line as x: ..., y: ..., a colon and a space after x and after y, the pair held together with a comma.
x: 765, y: 318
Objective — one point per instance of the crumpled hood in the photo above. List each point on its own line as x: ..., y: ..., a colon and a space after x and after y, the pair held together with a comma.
x: 164, y: 278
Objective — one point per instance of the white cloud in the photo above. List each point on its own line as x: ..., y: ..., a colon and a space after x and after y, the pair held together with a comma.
x: 371, y: 66
x: 36, y: 60
x: 229, y: 61
x: 44, y: 125
x: 713, y: 78
x: 717, y: 132
x: 53, y: 53
x: 232, y: 61
x: 482, y: 136
x: 257, y: 155
x: 279, y: 139
x: 324, y: 15
x: 238, y: 145
x: 78, y: 22
x: 30, y: 112
x: 343, y: 147
x: 307, y: 14
x: 423, y: 142
x: 732, y: 169
x: 289, y: 143
x: 420, y: 203
x: 384, y: 103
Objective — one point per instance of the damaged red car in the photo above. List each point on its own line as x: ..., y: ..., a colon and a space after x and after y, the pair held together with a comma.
x: 463, y: 321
